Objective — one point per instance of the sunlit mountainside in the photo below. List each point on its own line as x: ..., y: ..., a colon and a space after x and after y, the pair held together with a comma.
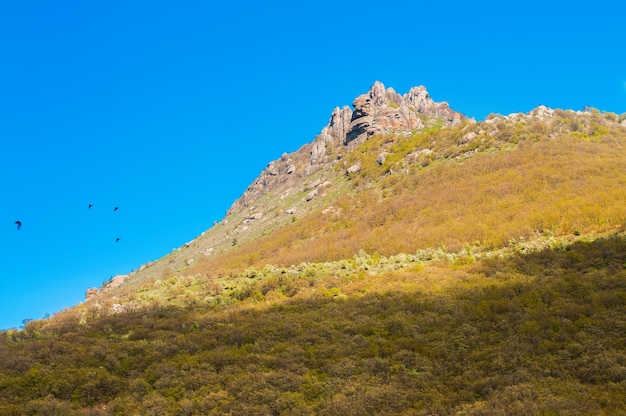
x: 408, y: 260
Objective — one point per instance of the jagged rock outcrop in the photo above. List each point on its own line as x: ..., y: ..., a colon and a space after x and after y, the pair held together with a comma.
x: 381, y: 110
x: 333, y: 135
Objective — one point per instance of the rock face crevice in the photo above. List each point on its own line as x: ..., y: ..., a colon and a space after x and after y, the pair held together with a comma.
x: 381, y: 110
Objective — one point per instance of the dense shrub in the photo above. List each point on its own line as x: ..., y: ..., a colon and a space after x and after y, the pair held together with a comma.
x: 541, y: 332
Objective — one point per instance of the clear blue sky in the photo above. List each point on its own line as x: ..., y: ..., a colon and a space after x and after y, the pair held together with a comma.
x: 169, y: 110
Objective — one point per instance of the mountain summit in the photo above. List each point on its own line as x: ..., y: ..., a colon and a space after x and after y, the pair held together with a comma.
x: 379, y: 111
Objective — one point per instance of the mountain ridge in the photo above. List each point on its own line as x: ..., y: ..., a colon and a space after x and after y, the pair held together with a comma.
x: 379, y: 111
x: 320, y: 171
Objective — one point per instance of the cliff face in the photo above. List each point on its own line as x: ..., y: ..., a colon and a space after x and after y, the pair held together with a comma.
x: 381, y: 110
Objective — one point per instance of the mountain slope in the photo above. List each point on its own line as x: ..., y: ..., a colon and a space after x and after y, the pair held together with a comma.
x: 425, y: 177
x: 406, y: 261
x: 310, y: 178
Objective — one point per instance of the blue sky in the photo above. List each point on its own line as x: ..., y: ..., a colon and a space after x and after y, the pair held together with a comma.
x: 169, y: 110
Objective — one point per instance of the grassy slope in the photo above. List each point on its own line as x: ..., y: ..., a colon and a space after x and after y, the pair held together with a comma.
x: 510, y: 299
x: 507, y: 184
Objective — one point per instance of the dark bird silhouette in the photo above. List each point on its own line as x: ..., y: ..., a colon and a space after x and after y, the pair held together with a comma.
x: 90, y: 206
x: 116, y: 208
x: 19, y: 225
x: 117, y: 239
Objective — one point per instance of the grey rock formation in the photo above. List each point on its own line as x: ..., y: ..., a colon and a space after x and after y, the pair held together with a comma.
x: 312, y: 195
x: 332, y: 136
x: 353, y: 170
x: 381, y: 110
x: 384, y: 110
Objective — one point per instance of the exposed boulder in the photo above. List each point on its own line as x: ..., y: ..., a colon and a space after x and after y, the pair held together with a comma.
x: 542, y: 112
x: 312, y: 195
x: 253, y: 217
x: 468, y: 137
x: 91, y: 293
x: 272, y: 169
x: 353, y: 170
x: 111, y: 284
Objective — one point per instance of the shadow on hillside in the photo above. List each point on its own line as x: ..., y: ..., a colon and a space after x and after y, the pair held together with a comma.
x: 543, y: 331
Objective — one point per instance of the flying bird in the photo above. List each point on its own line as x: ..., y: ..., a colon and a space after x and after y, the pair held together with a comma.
x: 116, y: 208
x: 19, y: 225
x: 117, y: 239
x: 90, y: 205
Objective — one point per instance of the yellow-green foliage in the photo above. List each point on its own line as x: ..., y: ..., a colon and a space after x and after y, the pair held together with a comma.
x: 445, y: 282
x: 541, y: 333
x: 514, y: 181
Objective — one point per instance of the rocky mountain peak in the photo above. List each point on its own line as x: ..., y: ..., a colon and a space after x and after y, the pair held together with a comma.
x: 379, y: 111
x: 382, y: 110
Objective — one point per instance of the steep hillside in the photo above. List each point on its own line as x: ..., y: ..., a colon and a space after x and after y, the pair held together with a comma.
x: 481, y: 185
x: 403, y: 173
x: 307, y: 180
x: 465, y: 189
x: 406, y: 261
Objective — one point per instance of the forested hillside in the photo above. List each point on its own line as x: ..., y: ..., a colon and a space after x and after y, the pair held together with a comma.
x: 540, y: 333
